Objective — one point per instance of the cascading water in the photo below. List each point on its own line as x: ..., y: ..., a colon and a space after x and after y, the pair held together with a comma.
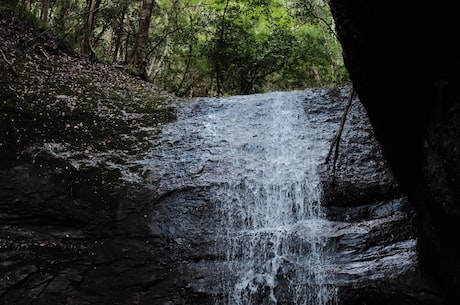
x: 237, y: 218
x: 269, y: 205
x: 264, y: 160
x: 238, y: 205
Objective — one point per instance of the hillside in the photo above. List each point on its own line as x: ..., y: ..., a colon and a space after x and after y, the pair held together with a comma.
x: 50, y: 94
x: 67, y: 125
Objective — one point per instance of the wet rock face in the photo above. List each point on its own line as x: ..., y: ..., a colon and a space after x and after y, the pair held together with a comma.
x: 360, y: 176
x: 404, y: 65
x: 142, y: 230
x: 376, y: 223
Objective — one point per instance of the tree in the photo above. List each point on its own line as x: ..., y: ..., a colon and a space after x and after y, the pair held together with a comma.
x: 137, y: 58
x: 62, y: 14
x: 44, y: 11
x: 91, y: 14
x: 206, y: 47
x: 122, y: 9
x: 219, y: 49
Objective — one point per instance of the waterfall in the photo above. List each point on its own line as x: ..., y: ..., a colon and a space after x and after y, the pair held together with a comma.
x: 237, y: 205
x: 270, y: 234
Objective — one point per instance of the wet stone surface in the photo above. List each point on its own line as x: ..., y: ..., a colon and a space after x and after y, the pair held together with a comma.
x: 142, y: 229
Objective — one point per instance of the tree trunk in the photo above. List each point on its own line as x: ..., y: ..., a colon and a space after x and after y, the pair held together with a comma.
x: 63, y: 12
x: 128, y: 37
x: 154, y: 70
x: 137, y: 58
x: 92, y: 11
x: 187, y: 68
x: 44, y: 11
x: 218, y: 50
x: 330, y: 53
x: 116, y: 42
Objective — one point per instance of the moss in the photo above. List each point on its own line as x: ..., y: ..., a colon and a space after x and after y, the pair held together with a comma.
x: 27, y: 18
x: 92, y: 116
x: 99, y: 184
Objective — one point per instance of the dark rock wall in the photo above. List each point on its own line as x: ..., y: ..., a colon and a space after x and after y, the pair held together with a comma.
x: 404, y: 61
x: 83, y: 235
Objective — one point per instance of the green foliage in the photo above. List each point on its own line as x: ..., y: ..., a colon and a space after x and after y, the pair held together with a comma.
x: 27, y: 17
x: 214, y: 47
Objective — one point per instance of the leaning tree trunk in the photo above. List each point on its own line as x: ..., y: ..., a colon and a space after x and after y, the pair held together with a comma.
x: 116, y: 42
x: 137, y: 57
x: 92, y: 11
x: 44, y: 11
x: 62, y: 15
x: 218, y: 50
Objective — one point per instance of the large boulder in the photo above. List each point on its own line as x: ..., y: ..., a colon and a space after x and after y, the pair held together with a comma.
x: 403, y: 61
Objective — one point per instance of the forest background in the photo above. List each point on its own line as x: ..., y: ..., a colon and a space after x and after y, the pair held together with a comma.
x: 202, y: 47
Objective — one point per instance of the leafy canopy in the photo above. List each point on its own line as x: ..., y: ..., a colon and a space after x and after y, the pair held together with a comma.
x: 212, y: 47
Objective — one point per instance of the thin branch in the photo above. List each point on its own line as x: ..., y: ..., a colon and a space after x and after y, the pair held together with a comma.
x: 311, y: 11
x: 335, y: 143
x: 78, y: 14
x: 40, y: 48
x: 162, y: 38
x: 9, y: 63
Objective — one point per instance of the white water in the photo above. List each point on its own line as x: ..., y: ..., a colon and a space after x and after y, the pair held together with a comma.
x: 241, y: 197
x: 269, y: 208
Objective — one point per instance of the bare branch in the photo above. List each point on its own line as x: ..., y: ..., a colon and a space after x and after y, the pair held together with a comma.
x: 9, y: 63
x: 335, y: 143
